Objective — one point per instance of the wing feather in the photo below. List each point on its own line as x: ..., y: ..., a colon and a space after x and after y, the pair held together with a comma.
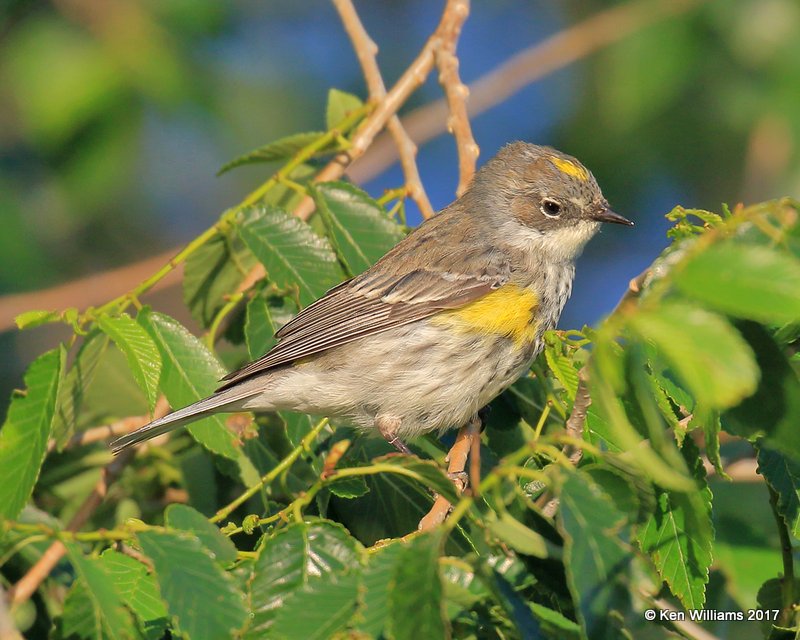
x: 395, y: 291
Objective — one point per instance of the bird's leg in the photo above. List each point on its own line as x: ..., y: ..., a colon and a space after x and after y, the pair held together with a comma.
x: 466, y: 440
x: 388, y: 427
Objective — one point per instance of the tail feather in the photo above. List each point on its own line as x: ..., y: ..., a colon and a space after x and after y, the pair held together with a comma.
x: 222, y: 401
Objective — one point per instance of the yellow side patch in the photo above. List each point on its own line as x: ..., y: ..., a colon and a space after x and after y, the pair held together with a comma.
x: 510, y: 311
x: 570, y: 168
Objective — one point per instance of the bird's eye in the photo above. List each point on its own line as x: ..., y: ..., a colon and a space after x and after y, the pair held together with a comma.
x: 551, y: 208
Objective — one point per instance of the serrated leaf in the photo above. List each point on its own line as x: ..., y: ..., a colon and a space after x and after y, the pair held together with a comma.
x: 144, y: 359
x: 189, y: 373
x: 704, y: 350
x: 679, y: 535
x: 377, y: 580
x: 264, y: 316
x: 352, y: 487
x: 340, y: 105
x: 291, y: 252
x: 518, y: 536
x: 106, y: 601
x: 302, y: 558
x: 319, y: 610
x: 76, y: 382
x: 280, y: 149
x: 596, y: 556
x: 180, y: 516
x: 80, y: 620
x: 213, y: 272
x: 415, y: 601
x: 24, y: 435
x: 755, y: 282
x: 561, y: 366
x: 201, y: 598
x: 782, y: 473
x: 138, y: 590
x: 358, y: 226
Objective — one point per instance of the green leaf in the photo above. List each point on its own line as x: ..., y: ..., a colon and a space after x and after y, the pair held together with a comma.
x: 561, y: 365
x: 213, y: 272
x: 782, y: 473
x: 377, y: 580
x: 201, y: 598
x: 755, y: 282
x: 280, y: 149
x: 30, y: 319
x: 106, y: 601
x: 518, y: 536
x: 703, y: 349
x: 415, y: 601
x: 291, y: 252
x: 774, y: 409
x: 304, y: 559
x: 262, y: 320
x: 179, y: 516
x: 190, y: 372
x: 555, y: 624
x: 319, y: 610
x: 80, y: 620
x: 73, y: 389
x: 513, y: 603
x: 596, y: 557
x: 358, y: 226
x: 138, y: 590
x: 679, y: 535
x: 340, y: 105
x: 142, y: 355
x: 24, y: 435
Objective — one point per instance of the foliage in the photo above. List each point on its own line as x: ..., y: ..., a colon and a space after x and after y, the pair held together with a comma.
x: 295, y: 529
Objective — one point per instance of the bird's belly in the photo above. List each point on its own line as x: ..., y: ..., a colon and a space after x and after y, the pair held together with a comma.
x: 430, y: 377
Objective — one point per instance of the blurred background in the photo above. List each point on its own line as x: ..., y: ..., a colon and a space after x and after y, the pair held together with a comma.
x: 115, y: 116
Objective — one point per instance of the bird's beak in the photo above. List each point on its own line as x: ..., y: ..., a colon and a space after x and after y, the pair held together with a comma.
x: 602, y: 213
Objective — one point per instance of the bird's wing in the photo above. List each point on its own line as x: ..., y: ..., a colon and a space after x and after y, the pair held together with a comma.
x: 409, y: 283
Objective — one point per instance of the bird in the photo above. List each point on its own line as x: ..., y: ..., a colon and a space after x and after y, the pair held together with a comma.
x: 441, y: 324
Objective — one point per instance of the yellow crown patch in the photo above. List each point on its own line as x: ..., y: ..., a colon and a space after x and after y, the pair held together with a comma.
x: 570, y: 168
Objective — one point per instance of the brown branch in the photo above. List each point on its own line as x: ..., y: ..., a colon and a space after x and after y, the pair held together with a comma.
x: 8, y: 631
x: 103, y: 432
x: 413, y: 77
x: 457, y: 462
x: 366, y: 50
x: 559, y: 50
x: 30, y: 582
x: 456, y: 94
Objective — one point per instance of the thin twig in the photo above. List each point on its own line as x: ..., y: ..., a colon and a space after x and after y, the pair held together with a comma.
x: 103, y: 432
x: 366, y: 50
x: 413, y: 77
x: 526, y: 67
x: 456, y: 93
x: 457, y: 462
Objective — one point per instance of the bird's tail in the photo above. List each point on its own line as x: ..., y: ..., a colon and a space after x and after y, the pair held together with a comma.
x: 227, y: 400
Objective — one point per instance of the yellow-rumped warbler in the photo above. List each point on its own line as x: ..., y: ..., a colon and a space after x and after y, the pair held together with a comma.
x: 442, y: 323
